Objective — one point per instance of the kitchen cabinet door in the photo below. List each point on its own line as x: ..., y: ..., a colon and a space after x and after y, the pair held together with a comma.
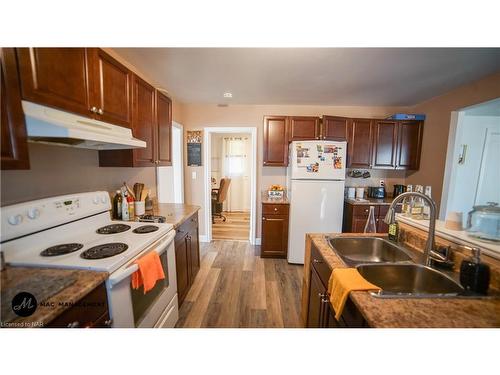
x: 111, y: 88
x: 409, y: 144
x: 13, y: 128
x: 274, y: 236
x: 360, y: 143
x: 334, y: 128
x: 304, y: 128
x: 275, y: 141
x: 194, y: 248
x: 317, y: 295
x: 144, y: 122
x: 385, y: 136
x: 56, y: 77
x: 164, y: 133
x: 182, y: 264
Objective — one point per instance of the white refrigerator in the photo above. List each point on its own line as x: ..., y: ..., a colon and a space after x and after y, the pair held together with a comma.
x: 315, y: 184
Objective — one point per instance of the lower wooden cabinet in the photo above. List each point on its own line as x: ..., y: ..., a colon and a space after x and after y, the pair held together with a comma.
x: 355, y: 217
x: 320, y: 313
x: 81, y: 316
x: 274, y: 242
x: 187, y: 255
x: 14, y: 139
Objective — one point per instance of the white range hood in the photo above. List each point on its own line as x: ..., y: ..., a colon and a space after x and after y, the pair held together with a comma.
x: 52, y: 126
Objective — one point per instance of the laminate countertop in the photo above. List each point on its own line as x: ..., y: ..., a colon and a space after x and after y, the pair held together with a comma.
x: 414, y: 313
x: 370, y: 201
x: 55, y: 290
x: 175, y: 213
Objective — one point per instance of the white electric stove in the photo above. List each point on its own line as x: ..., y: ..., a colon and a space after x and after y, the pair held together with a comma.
x: 76, y: 232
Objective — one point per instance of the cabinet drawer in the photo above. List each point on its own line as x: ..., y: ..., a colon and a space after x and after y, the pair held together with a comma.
x: 321, y: 267
x: 363, y: 210
x: 275, y: 209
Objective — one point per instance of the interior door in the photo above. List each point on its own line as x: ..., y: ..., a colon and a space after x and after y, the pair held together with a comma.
x: 164, y: 123
x: 56, y: 77
x: 112, y: 88
x: 144, y: 122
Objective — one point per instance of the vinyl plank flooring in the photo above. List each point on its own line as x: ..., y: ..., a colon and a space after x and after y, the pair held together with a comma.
x: 236, y: 288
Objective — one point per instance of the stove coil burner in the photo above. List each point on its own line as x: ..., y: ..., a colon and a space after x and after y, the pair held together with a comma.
x: 61, y: 249
x: 113, y: 229
x: 146, y: 229
x: 104, y: 251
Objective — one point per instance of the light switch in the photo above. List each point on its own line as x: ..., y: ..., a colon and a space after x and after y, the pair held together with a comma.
x: 193, y: 175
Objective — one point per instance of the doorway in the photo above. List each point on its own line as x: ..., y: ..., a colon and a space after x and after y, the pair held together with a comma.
x: 230, y: 183
x: 472, y: 174
x: 170, y: 180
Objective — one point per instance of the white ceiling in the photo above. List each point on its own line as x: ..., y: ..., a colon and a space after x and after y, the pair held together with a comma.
x: 323, y: 76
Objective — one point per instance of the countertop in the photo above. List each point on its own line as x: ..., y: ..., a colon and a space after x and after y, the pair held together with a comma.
x: 414, y: 313
x: 369, y: 201
x: 267, y: 200
x: 175, y: 213
x: 55, y: 290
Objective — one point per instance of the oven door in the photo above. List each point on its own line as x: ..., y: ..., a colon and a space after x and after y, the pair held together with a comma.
x: 132, y: 308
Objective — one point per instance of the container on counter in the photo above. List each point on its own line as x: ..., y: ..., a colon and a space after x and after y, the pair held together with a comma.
x: 140, y: 208
x: 117, y: 206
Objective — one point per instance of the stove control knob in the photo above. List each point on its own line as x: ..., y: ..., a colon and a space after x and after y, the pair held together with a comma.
x: 33, y: 213
x: 96, y: 200
x: 15, y: 219
x: 104, y: 199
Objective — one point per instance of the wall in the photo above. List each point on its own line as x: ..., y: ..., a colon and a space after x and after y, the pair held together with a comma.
x: 437, y: 125
x: 199, y: 116
x: 57, y: 170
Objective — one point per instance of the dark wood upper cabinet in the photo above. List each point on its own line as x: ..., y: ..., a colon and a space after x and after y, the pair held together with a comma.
x: 334, y: 128
x: 385, y: 136
x: 164, y: 120
x: 111, y: 88
x: 275, y: 141
x: 56, y: 77
x: 303, y: 128
x: 13, y: 128
x: 409, y: 145
x: 360, y: 142
x: 144, y: 122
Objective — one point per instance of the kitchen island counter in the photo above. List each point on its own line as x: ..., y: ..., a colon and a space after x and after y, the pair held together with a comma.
x: 405, y: 312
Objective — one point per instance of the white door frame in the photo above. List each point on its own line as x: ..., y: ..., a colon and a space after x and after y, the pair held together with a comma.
x: 181, y: 149
x: 207, y: 132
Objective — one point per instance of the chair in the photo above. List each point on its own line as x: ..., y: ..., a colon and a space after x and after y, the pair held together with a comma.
x: 218, y: 197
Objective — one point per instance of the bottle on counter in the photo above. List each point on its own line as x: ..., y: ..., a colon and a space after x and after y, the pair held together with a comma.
x: 417, y: 207
x: 131, y: 213
x: 117, y: 205
x: 370, y: 226
x: 474, y: 275
x: 125, y: 211
x: 427, y: 208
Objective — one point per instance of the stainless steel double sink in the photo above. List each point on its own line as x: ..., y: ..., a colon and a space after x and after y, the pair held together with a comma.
x: 391, y: 268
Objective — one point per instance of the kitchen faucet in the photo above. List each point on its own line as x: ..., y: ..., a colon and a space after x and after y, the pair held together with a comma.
x: 429, y: 252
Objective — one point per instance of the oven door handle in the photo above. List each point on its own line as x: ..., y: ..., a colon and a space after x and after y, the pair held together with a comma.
x: 159, y: 247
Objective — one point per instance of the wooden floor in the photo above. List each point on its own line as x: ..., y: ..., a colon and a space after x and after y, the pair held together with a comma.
x: 236, y: 288
x: 236, y: 226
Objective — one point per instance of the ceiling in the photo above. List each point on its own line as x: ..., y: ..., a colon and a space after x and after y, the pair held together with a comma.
x: 322, y: 76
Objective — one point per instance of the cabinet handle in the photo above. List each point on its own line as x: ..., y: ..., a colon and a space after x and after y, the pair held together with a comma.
x: 275, y: 208
x: 93, y: 109
x: 100, y: 111
x: 317, y: 261
x: 263, y: 218
x: 74, y: 324
x: 108, y: 322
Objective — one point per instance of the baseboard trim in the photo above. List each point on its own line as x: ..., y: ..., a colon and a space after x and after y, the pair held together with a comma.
x: 203, y: 238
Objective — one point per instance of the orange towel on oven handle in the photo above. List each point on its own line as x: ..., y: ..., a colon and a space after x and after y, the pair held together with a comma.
x: 149, y: 272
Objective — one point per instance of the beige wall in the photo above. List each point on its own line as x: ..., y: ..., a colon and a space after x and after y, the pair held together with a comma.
x: 199, y: 116
x: 437, y: 124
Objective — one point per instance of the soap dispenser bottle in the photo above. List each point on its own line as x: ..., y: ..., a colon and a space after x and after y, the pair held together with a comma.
x: 474, y: 275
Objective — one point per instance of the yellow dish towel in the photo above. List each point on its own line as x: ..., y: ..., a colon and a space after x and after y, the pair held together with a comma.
x: 342, y: 282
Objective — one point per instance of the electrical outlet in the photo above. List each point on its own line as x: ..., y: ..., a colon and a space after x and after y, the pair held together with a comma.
x: 193, y: 175
x: 381, y: 183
